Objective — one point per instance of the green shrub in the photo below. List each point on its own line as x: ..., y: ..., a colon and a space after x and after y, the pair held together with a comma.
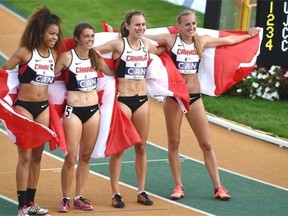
x: 263, y: 82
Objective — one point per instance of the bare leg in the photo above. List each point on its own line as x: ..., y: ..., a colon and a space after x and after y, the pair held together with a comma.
x: 115, y: 171
x: 199, y: 123
x: 141, y: 120
x: 88, y: 141
x: 173, y: 117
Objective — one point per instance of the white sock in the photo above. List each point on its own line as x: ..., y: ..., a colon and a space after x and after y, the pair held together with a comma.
x: 115, y: 194
x: 77, y: 197
x: 139, y: 192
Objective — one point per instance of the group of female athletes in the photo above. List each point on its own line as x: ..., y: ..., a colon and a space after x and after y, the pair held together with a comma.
x: 38, y: 57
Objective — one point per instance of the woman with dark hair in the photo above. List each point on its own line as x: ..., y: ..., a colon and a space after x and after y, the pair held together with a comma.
x: 186, y: 49
x: 81, y: 115
x: 35, y: 57
x: 131, y: 56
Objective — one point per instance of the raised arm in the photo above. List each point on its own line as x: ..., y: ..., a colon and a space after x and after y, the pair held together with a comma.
x: 151, y: 47
x: 111, y: 46
x: 166, y: 40
x: 160, y: 38
x: 208, y: 42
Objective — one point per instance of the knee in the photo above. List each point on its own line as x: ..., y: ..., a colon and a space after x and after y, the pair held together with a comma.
x: 206, y: 146
x: 140, y: 149
x: 85, y: 158
x: 24, y: 160
x: 36, y: 159
x: 174, y: 145
x: 70, y: 160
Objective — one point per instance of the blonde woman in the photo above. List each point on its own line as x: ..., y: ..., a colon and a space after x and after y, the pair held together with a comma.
x: 186, y: 49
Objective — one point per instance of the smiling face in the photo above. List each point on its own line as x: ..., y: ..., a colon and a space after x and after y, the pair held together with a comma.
x: 50, y: 36
x: 137, y: 26
x: 86, y: 38
x: 187, y: 25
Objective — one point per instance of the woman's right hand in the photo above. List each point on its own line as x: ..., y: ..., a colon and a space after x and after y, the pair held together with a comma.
x: 109, y: 27
x: 253, y: 31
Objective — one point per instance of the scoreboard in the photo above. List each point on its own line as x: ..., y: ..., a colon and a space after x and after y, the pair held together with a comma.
x: 272, y: 16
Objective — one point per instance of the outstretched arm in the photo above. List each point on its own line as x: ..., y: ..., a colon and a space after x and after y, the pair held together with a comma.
x: 166, y: 40
x: 162, y: 39
x: 115, y: 46
x: 209, y: 42
x: 105, y: 48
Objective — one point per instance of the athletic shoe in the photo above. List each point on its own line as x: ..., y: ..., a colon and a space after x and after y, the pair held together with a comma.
x: 34, y: 209
x: 83, y: 204
x: 117, y: 201
x: 143, y: 199
x: 221, y: 193
x: 23, y: 211
x: 64, y: 205
x: 178, y: 193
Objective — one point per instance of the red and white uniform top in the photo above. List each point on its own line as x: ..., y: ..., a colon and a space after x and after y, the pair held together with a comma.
x: 38, y: 70
x: 80, y: 76
x: 185, y: 56
x: 132, y: 64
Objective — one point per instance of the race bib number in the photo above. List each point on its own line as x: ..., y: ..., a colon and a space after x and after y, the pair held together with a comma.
x: 68, y: 111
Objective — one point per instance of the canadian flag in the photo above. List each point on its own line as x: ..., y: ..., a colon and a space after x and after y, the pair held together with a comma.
x: 21, y: 130
x: 116, y: 131
x: 224, y: 66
